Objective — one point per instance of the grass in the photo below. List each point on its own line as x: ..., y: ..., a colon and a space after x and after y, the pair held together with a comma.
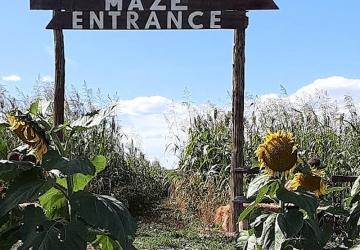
x: 157, y: 235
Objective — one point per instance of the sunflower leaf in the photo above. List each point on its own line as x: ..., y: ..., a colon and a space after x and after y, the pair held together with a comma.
x: 37, y: 232
x: 106, y: 243
x: 11, y: 169
x: 80, y: 180
x: 305, y: 201
x: 93, y: 119
x: 290, y: 223
x: 54, y: 203
x: 267, y: 238
x: 262, y: 192
x: 115, y: 218
x: 26, y: 187
x: 53, y: 160
x: 256, y: 184
x: 75, y: 235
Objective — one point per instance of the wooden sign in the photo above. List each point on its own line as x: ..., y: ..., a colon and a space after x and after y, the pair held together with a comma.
x: 149, y: 14
x: 147, y: 20
x: 155, y: 5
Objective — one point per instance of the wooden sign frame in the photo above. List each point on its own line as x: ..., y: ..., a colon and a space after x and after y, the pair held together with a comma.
x: 147, y: 20
x: 155, y: 5
x: 199, y: 14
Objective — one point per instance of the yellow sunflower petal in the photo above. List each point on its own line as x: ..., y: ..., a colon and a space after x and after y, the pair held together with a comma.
x: 278, y: 153
x: 312, y: 183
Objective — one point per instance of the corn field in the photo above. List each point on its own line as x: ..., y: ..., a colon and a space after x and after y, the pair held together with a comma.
x: 139, y: 183
x: 323, y: 129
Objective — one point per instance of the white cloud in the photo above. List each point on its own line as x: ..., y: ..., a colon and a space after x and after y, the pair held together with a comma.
x: 154, y: 121
x: 11, y: 78
x: 46, y: 78
x: 150, y: 121
x: 144, y: 105
x: 335, y: 88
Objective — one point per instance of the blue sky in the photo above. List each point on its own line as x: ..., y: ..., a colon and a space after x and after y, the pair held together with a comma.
x: 304, y: 41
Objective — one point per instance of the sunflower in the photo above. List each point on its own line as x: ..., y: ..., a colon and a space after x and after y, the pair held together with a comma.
x: 278, y: 154
x: 313, y: 183
x: 25, y: 130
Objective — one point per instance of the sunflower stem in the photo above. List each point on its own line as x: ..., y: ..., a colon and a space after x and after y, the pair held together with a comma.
x: 62, y: 190
x: 70, y: 190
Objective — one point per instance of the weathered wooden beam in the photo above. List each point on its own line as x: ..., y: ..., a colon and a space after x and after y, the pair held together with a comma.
x: 59, y: 88
x: 247, y: 170
x: 343, y: 179
x: 238, y: 97
x: 87, y: 5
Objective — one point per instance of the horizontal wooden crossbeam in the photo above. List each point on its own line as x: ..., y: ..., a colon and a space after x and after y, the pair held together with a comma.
x: 88, y: 5
x: 343, y: 179
x: 247, y: 170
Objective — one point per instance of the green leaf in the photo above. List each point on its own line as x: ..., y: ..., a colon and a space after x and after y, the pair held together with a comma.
x: 279, y: 236
x: 4, y: 125
x: 99, y: 161
x: 257, y: 225
x: 315, y: 237
x: 9, y: 237
x: 309, y: 240
x: 53, y: 160
x: 104, y: 242
x: 304, y: 201
x: 80, y: 181
x: 353, y: 221
x: 39, y: 107
x: 54, y: 203
x: 356, y: 187
x: 256, y: 184
x: 9, y: 169
x: 262, y: 192
x: 105, y: 213
x: 93, y: 119
x: 43, y: 107
x: 75, y: 236
x: 34, y: 107
x: 39, y: 233
x: 84, y: 167
x: 251, y: 243
x: 290, y: 222
x: 268, y: 234
x: 335, y: 190
x: 26, y: 187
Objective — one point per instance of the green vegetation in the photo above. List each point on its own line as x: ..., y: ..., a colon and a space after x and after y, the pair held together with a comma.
x: 164, y: 235
x: 322, y: 130
x: 66, y: 216
x: 191, y: 193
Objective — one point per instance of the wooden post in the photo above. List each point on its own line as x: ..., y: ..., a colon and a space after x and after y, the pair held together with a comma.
x: 59, y: 90
x: 237, y: 160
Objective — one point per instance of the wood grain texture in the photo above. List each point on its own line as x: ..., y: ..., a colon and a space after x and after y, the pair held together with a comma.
x: 59, y: 88
x: 87, y: 5
x: 237, y: 159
